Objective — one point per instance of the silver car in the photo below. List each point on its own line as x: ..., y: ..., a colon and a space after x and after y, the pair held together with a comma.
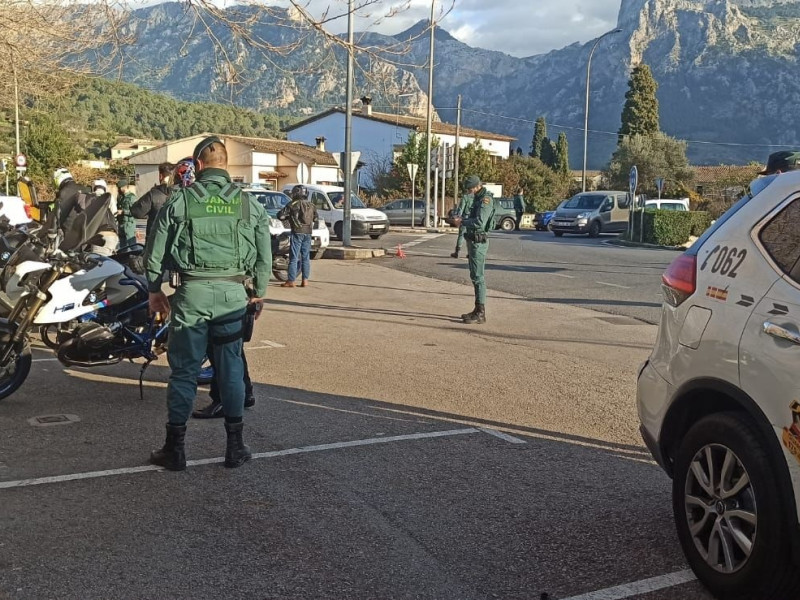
x: 399, y: 212
x: 719, y: 398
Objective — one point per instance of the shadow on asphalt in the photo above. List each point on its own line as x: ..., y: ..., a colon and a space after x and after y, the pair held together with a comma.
x: 481, y: 331
x: 407, y: 290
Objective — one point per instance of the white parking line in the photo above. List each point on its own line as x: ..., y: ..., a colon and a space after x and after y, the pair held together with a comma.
x: 564, y: 276
x: 645, y: 586
x: 502, y: 436
x: 267, y: 345
x: 208, y: 461
x: 614, y: 285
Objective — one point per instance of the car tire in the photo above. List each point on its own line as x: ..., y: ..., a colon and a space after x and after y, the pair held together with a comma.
x: 507, y: 224
x: 318, y: 254
x: 375, y: 236
x: 767, y: 573
x: 338, y: 230
x: 558, y: 233
x: 594, y: 229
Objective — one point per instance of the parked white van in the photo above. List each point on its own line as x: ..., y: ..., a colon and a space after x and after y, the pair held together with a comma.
x: 681, y: 204
x: 329, y: 201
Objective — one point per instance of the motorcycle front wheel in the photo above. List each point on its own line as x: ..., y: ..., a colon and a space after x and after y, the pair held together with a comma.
x: 14, y: 374
x: 280, y: 275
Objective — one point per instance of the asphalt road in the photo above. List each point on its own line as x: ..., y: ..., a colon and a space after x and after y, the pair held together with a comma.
x: 536, y: 265
x: 400, y: 454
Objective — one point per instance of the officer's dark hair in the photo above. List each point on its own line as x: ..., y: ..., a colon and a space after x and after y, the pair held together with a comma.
x: 165, y: 170
x: 211, y: 152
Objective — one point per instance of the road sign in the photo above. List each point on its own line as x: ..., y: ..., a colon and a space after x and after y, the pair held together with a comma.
x: 449, y: 156
x: 302, y: 173
x: 660, y: 185
x: 633, y: 180
x: 412, y: 171
x: 21, y: 161
x: 354, y: 157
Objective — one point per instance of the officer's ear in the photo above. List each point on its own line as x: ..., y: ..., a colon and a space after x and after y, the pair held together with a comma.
x: 198, y: 165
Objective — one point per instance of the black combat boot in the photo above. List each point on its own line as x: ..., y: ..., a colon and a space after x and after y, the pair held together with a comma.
x: 172, y: 456
x: 469, y: 315
x: 236, y: 453
x: 454, y: 254
x: 478, y: 317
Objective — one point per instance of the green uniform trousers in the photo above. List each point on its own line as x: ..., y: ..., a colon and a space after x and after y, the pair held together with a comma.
x: 127, y: 232
x: 477, y: 264
x: 204, y: 311
x: 460, y: 238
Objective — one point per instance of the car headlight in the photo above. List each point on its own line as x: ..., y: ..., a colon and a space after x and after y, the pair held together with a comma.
x: 275, y: 224
x: 358, y: 217
x: 583, y: 216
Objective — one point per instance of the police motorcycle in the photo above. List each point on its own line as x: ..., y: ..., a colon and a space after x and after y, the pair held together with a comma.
x: 52, y: 281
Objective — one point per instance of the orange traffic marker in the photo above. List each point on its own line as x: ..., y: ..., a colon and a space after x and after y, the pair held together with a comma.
x: 400, y: 253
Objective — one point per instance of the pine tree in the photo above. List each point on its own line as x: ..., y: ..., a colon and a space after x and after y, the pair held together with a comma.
x: 562, y: 154
x: 549, y: 153
x: 640, y: 113
x: 539, y: 135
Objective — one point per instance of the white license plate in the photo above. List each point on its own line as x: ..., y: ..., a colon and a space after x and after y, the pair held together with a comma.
x: 378, y: 226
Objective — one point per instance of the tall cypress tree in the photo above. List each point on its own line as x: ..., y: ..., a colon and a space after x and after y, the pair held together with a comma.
x: 640, y: 113
x: 539, y: 135
x: 562, y: 154
x: 549, y: 153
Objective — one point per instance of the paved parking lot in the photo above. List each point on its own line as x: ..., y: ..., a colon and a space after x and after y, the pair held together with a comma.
x: 398, y: 455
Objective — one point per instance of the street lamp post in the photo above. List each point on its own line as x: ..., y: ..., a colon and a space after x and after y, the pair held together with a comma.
x: 430, y: 122
x: 586, y: 110
x: 348, y: 130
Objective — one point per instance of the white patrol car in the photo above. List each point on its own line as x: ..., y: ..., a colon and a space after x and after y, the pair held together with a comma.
x: 719, y: 398
x: 273, y: 201
x: 329, y: 201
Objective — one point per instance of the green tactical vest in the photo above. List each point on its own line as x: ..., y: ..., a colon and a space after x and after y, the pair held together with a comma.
x: 217, y: 236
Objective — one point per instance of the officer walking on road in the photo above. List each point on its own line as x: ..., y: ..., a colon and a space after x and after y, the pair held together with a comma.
x: 213, y: 236
x: 462, y: 211
x: 478, y: 224
x: 519, y: 208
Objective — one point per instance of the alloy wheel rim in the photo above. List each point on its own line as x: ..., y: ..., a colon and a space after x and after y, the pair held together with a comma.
x: 720, y: 508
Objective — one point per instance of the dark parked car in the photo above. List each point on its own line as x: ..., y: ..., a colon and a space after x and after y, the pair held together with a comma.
x: 504, y: 214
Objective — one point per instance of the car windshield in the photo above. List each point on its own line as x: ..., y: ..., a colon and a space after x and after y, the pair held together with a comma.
x: 754, y: 189
x: 672, y: 206
x: 271, y: 200
x: 338, y: 200
x: 584, y: 202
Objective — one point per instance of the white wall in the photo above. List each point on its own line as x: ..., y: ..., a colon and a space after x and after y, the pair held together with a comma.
x: 376, y: 138
x: 146, y: 178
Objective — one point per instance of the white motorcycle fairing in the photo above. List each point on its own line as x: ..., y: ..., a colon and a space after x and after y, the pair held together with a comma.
x: 68, y: 295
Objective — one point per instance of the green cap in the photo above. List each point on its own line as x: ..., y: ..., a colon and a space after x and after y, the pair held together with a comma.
x: 123, y: 183
x: 471, y: 182
x: 785, y: 160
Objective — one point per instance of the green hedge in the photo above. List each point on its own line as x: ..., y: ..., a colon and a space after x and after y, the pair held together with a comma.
x: 670, y: 227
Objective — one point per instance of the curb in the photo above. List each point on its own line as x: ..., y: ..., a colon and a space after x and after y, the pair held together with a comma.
x: 423, y: 230
x: 628, y: 244
x: 353, y: 253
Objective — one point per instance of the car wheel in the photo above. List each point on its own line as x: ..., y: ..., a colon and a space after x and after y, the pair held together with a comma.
x: 337, y: 231
x: 375, y: 236
x: 729, y: 511
x: 594, y: 229
x: 507, y: 224
x: 558, y: 233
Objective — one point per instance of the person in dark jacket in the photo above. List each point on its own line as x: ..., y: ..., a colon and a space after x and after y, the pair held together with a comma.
x: 301, y: 215
x: 147, y: 206
x: 519, y: 208
x: 67, y: 196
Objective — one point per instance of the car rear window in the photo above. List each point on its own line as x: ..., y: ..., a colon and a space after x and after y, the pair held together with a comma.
x: 781, y: 237
x: 756, y: 187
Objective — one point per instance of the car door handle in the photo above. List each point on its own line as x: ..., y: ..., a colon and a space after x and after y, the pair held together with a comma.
x: 777, y: 331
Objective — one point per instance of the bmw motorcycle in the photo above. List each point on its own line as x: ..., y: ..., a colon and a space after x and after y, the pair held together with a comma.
x: 99, y: 305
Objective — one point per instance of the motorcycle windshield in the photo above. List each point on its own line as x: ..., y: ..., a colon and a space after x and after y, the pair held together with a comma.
x: 86, y: 226
x: 22, y: 254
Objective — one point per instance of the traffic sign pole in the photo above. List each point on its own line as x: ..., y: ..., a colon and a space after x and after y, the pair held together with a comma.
x: 412, y: 175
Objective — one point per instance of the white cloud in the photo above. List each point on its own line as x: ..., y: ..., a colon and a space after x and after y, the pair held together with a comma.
x: 517, y: 27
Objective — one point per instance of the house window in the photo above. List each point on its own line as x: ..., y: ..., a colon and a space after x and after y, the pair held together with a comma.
x: 237, y: 179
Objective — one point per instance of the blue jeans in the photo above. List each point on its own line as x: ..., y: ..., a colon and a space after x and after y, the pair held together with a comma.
x: 300, y: 255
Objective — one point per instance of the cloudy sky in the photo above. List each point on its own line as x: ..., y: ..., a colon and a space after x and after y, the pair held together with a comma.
x: 517, y: 27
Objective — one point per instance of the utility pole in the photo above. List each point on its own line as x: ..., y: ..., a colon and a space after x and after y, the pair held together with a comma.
x: 430, y: 121
x: 456, y: 182
x: 16, y: 98
x: 348, y: 130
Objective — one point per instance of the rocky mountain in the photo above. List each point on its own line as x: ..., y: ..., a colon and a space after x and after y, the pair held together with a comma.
x: 727, y: 71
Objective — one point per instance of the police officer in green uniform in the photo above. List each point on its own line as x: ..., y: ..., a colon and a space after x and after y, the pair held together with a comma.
x: 477, y: 226
x: 462, y: 211
x: 125, y: 220
x: 213, y: 236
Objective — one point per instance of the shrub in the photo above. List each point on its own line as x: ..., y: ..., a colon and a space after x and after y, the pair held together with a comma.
x: 669, y: 227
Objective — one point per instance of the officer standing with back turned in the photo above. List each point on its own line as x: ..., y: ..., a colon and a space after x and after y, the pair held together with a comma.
x: 477, y: 225
x: 213, y: 236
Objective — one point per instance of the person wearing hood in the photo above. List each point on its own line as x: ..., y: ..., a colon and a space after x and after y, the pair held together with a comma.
x: 147, y: 206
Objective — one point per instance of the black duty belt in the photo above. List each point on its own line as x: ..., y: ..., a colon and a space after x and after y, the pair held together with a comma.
x: 232, y: 278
